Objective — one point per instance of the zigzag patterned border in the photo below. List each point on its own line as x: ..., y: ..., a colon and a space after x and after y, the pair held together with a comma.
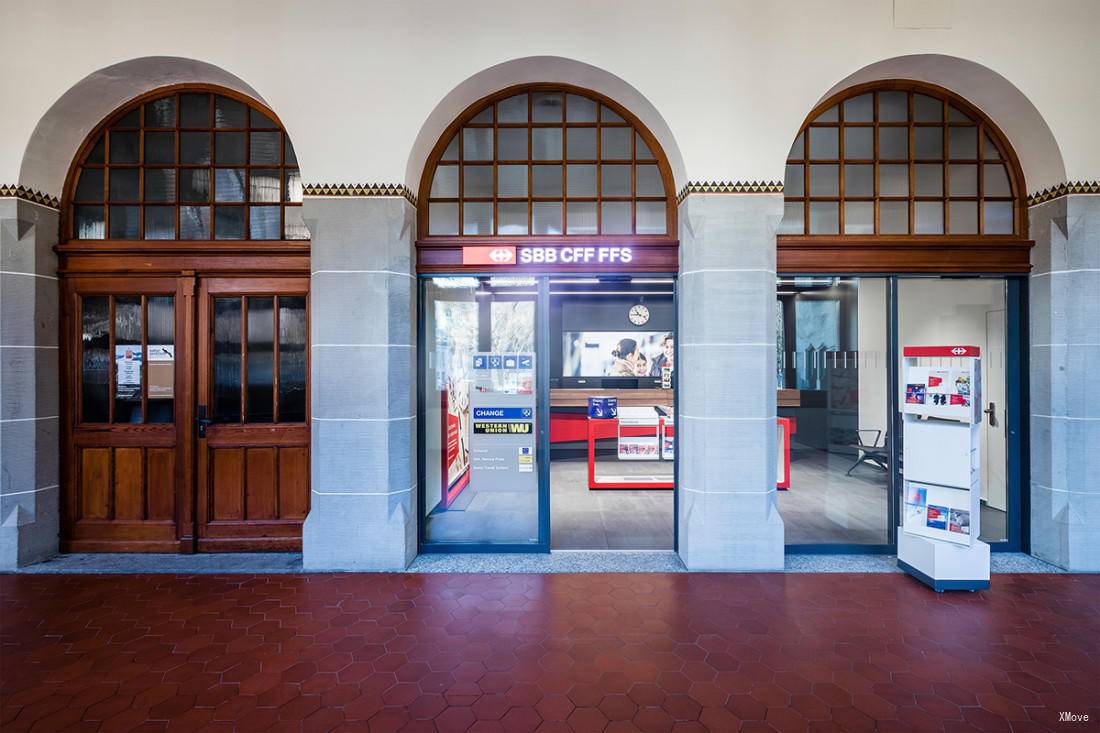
x: 359, y: 189
x: 729, y: 187
x: 9, y: 191
x: 1063, y: 189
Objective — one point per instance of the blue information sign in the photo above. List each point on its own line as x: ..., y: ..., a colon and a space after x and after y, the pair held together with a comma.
x: 503, y: 413
x: 481, y: 361
x: 526, y: 361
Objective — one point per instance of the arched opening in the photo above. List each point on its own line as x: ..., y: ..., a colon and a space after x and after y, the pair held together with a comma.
x: 905, y: 225
x: 184, y: 280
x: 547, y: 255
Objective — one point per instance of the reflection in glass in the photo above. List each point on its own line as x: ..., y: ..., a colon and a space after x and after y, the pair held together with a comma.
x: 125, y: 222
x: 260, y: 360
x: 124, y: 147
x: 964, y: 217
x: 128, y: 359
x: 263, y: 222
x: 998, y: 217
x: 512, y: 109
x: 227, y: 360
x: 824, y: 217
x: 824, y: 180
x: 650, y: 217
x: 445, y: 182
x: 859, y: 143
x: 477, y: 143
x: 971, y: 311
x: 229, y: 184
x: 580, y: 181
x: 160, y: 184
x: 264, y: 148
x: 580, y: 217
x: 581, y: 143
x: 616, y: 217
x: 294, y: 225
x: 615, y: 143
x: 161, y: 112
x: 893, y: 143
x: 229, y: 222
x: 824, y: 143
x: 194, y: 110
x: 546, y: 180
x: 546, y: 143
x: 512, y: 218
x: 831, y: 356
x: 160, y: 148
x: 615, y: 180
x: 228, y: 112
x: 443, y: 218
x: 463, y: 501
x: 88, y: 222
x: 90, y: 186
x: 648, y: 181
x: 195, y: 148
x: 229, y: 148
x: 124, y: 185
x: 511, y: 181
x: 477, y: 218
x: 929, y: 218
x: 512, y: 144
x: 859, y: 180
x: 160, y: 222
x: 95, y: 361
x: 893, y: 217
x: 546, y: 217
x: 477, y: 181
x: 859, y: 217
x: 292, y: 358
x: 161, y: 352
x: 263, y: 185
x: 194, y: 222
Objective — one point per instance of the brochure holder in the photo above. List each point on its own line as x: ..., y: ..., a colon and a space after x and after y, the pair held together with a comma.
x: 941, y: 501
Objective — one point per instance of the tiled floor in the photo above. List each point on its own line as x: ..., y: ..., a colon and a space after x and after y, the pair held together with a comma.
x: 583, y: 652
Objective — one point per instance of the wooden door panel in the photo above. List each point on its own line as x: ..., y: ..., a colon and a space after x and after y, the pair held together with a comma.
x: 253, y: 478
x: 121, y: 479
x: 160, y: 479
x: 227, y: 484
x: 261, y: 484
x: 128, y: 484
x: 293, y: 483
x: 95, y: 483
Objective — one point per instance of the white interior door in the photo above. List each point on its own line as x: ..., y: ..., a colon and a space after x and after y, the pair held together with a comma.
x: 994, y: 489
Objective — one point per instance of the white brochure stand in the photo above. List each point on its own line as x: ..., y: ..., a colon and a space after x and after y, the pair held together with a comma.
x: 941, y: 501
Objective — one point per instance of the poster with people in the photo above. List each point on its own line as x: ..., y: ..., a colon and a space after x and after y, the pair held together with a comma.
x: 619, y: 354
x: 455, y: 344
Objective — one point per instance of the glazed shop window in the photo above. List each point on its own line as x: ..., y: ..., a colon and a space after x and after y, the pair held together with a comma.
x: 549, y: 162
x: 128, y: 358
x: 900, y: 162
x: 188, y: 166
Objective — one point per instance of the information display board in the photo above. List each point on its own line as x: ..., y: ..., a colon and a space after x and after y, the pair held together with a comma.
x: 941, y: 516
x: 502, y: 417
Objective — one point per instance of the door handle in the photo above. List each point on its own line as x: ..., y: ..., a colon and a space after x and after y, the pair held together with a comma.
x: 201, y: 422
x: 992, y: 412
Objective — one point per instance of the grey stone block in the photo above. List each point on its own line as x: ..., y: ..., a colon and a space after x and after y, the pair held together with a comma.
x: 28, y: 233
x: 28, y: 455
x: 28, y: 310
x: 722, y: 534
x: 728, y: 381
x: 361, y: 234
x: 28, y: 383
x: 725, y: 456
x: 28, y: 528
x: 1044, y: 315
x: 727, y: 307
x: 362, y: 308
x: 1047, y: 223
x: 1078, y: 293
x: 377, y: 457
x: 1077, y: 366
x: 1083, y: 232
x: 360, y: 532
x: 362, y: 381
x: 722, y: 230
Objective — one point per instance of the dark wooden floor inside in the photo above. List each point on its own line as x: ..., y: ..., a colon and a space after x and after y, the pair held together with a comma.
x: 548, y: 653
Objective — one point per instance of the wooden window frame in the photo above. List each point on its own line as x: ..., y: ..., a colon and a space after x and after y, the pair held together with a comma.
x: 907, y: 252
x: 137, y: 106
x: 465, y: 120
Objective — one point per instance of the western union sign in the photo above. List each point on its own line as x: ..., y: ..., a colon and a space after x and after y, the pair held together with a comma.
x: 503, y: 428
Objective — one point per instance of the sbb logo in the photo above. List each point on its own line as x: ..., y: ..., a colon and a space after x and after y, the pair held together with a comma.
x: 501, y: 255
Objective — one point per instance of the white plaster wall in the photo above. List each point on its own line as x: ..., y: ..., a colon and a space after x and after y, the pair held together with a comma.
x: 355, y: 80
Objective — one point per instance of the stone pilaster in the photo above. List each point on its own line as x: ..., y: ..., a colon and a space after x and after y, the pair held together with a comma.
x: 728, y: 517
x: 363, y: 382
x: 29, y: 493
x: 1065, y: 402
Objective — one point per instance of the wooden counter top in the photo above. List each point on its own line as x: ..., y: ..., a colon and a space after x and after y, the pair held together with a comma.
x: 566, y: 397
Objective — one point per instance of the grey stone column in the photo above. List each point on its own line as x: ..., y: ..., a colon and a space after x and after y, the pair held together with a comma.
x: 363, y: 379
x: 1065, y: 399
x: 29, y: 493
x: 728, y: 517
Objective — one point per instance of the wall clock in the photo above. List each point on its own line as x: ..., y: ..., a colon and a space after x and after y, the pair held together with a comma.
x: 639, y: 314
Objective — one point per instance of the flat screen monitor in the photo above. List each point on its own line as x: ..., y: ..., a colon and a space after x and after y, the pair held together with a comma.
x: 621, y: 354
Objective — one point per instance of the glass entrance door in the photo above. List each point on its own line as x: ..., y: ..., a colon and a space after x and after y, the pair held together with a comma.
x: 482, y: 413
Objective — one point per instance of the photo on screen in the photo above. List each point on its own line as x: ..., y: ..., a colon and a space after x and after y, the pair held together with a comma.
x: 616, y: 353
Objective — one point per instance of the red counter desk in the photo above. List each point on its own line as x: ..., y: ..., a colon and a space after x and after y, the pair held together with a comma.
x: 572, y: 427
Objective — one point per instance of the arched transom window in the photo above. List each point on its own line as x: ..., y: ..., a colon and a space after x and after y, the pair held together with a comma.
x: 190, y: 165
x: 900, y: 160
x: 547, y: 161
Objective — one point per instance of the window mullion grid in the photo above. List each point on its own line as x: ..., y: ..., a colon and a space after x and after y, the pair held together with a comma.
x: 111, y: 358
x: 875, y: 162
x: 275, y: 364
x: 244, y: 360
x: 461, y: 177
x: 981, y: 180
x: 144, y: 358
x: 633, y: 182
x: 141, y: 191
x: 599, y: 169
x: 840, y: 168
x: 806, y: 181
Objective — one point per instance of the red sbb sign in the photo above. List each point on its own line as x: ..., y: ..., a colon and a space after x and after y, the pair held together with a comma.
x: 499, y: 255
x: 941, y: 351
x: 580, y: 255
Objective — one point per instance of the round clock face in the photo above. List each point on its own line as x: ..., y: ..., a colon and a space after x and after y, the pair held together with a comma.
x: 639, y: 315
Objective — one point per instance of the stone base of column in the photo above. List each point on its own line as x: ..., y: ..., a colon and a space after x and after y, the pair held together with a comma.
x: 730, y: 531
x: 359, y: 532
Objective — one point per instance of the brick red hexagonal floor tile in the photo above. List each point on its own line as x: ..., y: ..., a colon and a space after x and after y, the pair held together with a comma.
x: 544, y: 654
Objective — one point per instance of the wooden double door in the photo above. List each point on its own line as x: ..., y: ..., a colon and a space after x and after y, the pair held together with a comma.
x: 185, y: 413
